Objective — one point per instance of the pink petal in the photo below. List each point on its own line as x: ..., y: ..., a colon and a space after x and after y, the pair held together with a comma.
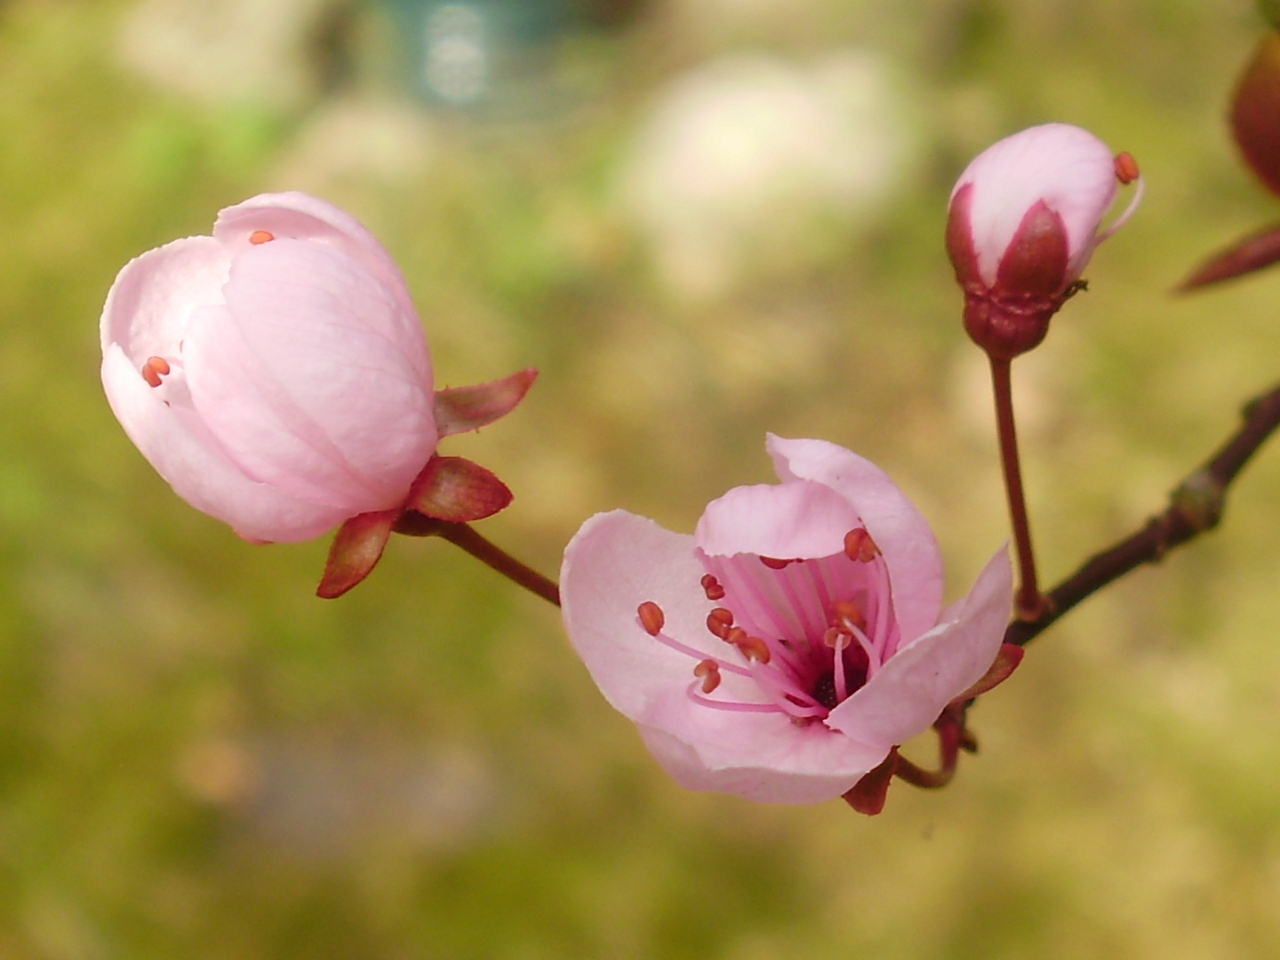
x: 909, y: 691
x: 197, y: 471
x: 903, y: 535
x: 1065, y: 166
x: 150, y: 303
x: 618, y: 561
x: 614, y: 563
x: 299, y: 216
x: 757, y: 780
x: 788, y: 520
x: 292, y: 372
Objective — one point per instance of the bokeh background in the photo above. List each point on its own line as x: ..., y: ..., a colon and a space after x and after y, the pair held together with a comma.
x: 701, y: 220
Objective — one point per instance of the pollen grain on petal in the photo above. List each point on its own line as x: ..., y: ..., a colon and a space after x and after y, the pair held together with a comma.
x: 859, y: 547
x: 1126, y: 168
x: 259, y: 237
x: 773, y: 563
x: 708, y: 671
x: 651, y: 617
x: 712, y: 587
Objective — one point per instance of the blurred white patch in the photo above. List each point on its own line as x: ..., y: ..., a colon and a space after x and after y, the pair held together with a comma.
x: 751, y: 164
x: 456, y: 54
x: 321, y: 798
x: 356, y: 140
x: 226, y: 50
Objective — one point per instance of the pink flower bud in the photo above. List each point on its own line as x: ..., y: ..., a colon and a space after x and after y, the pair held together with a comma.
x: 1023, y: 222
x: 275, y: 373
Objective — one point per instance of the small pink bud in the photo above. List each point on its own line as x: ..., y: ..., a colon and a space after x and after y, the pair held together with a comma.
x: 1023, y: 221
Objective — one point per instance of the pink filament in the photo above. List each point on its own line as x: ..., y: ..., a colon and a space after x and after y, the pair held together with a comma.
x: 787, y: 608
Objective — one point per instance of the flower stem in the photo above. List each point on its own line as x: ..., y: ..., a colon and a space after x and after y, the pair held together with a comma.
x: 952, y: 738
x: 463, y: 535
x: 1030, y: 602
x: 924, y: 779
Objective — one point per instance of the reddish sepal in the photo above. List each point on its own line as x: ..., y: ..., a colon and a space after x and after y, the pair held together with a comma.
x: 1034, y: 265
x: 356, y: 549
x: 1012, y: 316
x: 869, y: 794
x: 1255, y: 112
x: 1243, y: 257
x: 1002, y: 667
x: 457, y: 490
x: 469, y: 408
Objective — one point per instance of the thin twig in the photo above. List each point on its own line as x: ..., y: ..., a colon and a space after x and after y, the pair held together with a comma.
x: 1030, y: 604
x: 463, y: 535
x: 1194, y: 507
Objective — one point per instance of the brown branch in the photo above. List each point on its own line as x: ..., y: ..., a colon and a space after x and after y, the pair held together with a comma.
x: 1194, y: 507
x: 463, y: 535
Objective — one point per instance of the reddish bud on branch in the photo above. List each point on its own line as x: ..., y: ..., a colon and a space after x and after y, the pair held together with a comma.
x: 1024, y: 219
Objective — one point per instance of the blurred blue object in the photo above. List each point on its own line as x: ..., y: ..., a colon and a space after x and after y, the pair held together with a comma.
x: 469, y: 53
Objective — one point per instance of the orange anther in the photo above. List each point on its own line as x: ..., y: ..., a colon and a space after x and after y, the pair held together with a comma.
x: 859, y: 546
x: 651, y: 617
x: 711, y: 586
x: 1126, y: 168
x: 752, y: 647
x: 719, y: 621
x: 773, y: 563
x: 846, y: 613
x: 154, y: 369
x: 708, y: 671
x: 261, y: 236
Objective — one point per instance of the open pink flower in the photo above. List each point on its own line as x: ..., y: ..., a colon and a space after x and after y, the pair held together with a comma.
x: 277, y: 376
x: 782, y: 651
x: 1024, y: 219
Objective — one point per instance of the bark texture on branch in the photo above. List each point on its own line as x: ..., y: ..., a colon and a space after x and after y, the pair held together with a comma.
x: 1194, y: 507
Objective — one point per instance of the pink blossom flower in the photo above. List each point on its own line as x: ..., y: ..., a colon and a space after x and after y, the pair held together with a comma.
x: 798, y: 636
x: 275, y: 373
x: 1024, y: 219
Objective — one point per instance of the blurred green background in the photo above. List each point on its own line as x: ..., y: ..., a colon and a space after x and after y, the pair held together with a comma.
x: 701, y: 220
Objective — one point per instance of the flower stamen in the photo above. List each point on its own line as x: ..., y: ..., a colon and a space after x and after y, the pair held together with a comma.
x: 719, y: 621
x: 1126, y: 168
x: 753, y: 648
x: 259, y: 237
x: 859, y: 547
x: 651, y: 618
x: 712, y: 587
x: 708, y: 671
x: 154, y: 369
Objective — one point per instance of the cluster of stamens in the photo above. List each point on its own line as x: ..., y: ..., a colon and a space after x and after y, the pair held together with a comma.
x: 803, y: 672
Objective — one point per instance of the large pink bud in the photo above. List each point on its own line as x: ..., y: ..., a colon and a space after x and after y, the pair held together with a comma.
x: 276, y: 374
x: 1023, y: 221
